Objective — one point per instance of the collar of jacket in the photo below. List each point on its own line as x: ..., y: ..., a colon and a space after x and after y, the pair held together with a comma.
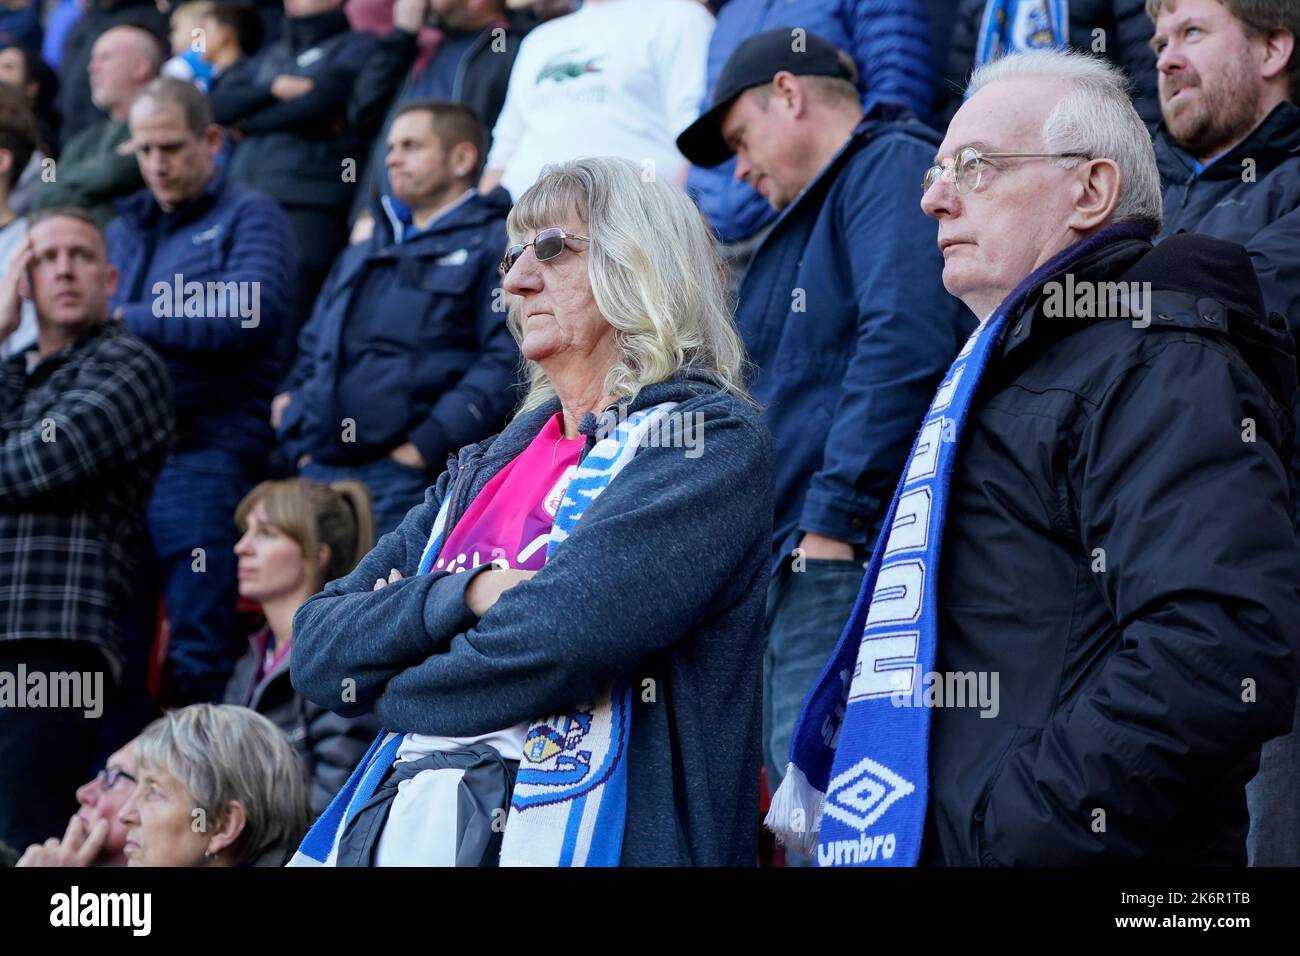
x: 1273, y: 141
x: 48, y: 364
x: 1209, y: 286
x: 492, y: 454
x: 142, y: 210
x: 303, y: 33
x: 1197, y: 283
x: 1096, y: 258
x: 258, y: 643
x: 474, y: 211
x: 514, y: 438
x: 514, y: 21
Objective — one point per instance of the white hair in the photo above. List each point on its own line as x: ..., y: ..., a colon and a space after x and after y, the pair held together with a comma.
x: 655, y: 274
x: 1095, y: 117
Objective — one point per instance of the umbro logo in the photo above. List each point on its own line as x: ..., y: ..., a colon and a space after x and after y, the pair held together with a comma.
x: 860, y: 795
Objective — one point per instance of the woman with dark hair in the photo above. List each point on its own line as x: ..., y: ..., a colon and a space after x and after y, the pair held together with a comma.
x: 299, y: 534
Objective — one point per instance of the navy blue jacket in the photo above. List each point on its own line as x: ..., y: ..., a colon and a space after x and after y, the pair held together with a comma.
x: 1120, y: 558
x: 844, y: 312
x: 889, y: 41
x: 296, y: 150
x: 224, y: 362
x: 626, y: 595
x: 409, y: 341
x: 1250, y: 196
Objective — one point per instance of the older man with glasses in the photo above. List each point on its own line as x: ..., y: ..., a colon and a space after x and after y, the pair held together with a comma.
x: 1088, y: 673
x: 94, y: 837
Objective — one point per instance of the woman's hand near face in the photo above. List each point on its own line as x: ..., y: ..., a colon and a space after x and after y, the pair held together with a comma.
x: 487, y: 587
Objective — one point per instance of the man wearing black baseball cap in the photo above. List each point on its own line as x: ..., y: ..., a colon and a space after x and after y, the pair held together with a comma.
x: 755, y: 63
x: 843, y: 311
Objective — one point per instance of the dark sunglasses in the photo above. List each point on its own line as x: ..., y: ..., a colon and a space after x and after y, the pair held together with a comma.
x: 548, y: 244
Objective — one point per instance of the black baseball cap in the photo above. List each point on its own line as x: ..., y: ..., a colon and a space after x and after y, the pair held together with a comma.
x: 754, y: 63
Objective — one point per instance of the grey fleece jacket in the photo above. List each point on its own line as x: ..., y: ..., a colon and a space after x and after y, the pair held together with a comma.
x: 664, y: 578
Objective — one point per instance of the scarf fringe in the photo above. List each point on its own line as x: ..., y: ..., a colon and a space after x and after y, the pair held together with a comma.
x: 795, y: 815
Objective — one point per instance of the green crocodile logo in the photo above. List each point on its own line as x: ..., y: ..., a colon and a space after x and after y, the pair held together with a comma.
x: 564, y: 67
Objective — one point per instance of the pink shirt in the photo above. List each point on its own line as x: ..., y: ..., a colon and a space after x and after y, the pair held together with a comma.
x: 510, y: 520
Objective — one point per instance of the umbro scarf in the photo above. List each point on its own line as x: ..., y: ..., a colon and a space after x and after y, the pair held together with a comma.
x: 857, y: 785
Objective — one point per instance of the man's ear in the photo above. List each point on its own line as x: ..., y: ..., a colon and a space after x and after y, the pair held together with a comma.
x: 462, y: 159
x: 212, y: 137
x: 323, y: 556
x: 1278, y: 47
x: 1096, y: 194
x: 110, y: 280
x: 6, y: 164
x: 230, y: 824
x: 790, y: 92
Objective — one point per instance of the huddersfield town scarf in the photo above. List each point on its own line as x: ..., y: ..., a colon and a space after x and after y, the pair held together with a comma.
x: 570, y: 796
x: 1013, y: 26
x: 858, y: 781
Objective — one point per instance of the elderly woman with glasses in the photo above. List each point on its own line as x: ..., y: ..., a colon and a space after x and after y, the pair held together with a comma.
x: 216, y: 785
x: 565, y: 641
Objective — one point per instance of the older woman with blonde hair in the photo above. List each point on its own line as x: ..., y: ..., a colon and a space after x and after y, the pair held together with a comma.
x: 216, y: 785
x: 565, y: 641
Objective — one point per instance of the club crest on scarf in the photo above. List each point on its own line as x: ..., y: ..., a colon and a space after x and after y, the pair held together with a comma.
x: 556, y: 766
x: 558, y: 734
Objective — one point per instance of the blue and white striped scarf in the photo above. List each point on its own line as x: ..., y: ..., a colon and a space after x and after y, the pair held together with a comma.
x: 570, y: 797
x: 1013, y: 26
x: 857, y: 785
x: 856, y: 754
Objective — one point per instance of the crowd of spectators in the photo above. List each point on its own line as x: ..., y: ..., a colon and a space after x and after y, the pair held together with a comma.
x: 254, y: 305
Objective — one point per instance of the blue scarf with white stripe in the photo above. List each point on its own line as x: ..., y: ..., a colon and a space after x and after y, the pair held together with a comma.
x: 1013, y: 26
x: 857, y: 785
x: 570, y: 796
